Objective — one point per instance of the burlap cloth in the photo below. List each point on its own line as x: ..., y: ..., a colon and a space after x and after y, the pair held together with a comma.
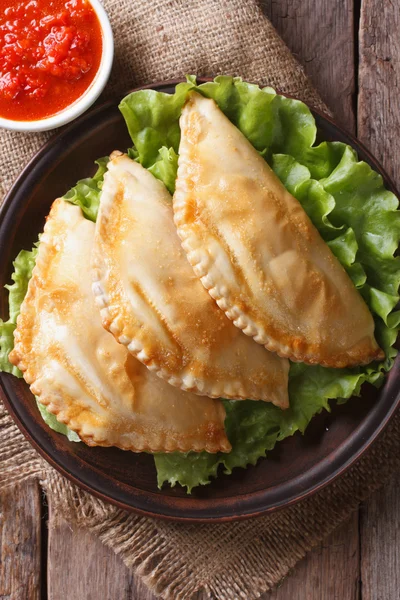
x: 158, y: 40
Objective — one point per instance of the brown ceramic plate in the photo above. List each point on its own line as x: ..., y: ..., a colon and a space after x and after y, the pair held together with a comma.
x: 299, y: 465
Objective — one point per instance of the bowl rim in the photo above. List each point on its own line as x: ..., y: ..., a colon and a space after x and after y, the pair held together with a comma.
x: 90, y: 95
x: 349, y: 451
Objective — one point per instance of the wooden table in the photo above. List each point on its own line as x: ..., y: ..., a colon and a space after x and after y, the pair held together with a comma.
x: 351, y: 51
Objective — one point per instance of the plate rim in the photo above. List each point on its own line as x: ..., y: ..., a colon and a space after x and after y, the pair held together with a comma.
x: 343, y: 449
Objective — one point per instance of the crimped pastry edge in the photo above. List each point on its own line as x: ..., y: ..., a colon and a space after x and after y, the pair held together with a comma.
x: 22, y: 347
x: 188, y: 383
x: 207, y: 275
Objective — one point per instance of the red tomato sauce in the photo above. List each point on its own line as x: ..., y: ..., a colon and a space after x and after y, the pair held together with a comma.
x: 50, y: 52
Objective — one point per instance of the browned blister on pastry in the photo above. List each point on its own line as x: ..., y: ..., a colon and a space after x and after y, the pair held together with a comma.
x: 152, y: 302
x: 82, y: 375
x: 257, y: 252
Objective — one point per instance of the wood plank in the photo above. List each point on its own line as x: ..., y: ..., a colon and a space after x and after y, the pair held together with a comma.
x: 329, y: 572
x: 80, y: 567
x: 379, y: 129
x: 380, y: 549
x: 20, y: 542
x: 321, y: 36
x: 379, y: 82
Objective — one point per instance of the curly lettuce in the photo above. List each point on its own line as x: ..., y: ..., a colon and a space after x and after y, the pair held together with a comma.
x: 51, y: 421
x: 86, y: 193
x: 23, y: 267
x: 345, y: 199
x: 347, y: 202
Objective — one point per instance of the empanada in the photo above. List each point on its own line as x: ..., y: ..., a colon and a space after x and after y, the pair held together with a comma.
x: 153, y: 303
x: 257, y: 252
x: 77, y: 369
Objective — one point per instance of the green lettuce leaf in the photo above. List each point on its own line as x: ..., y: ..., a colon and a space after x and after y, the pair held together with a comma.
x: 86, y: 193
x: 166, y: 167
x: 346, y: 201
x: 23, y: 266
x: 254, y: 428
x: 273, y: 124
x: 51, y: 421
x: 153, y: 121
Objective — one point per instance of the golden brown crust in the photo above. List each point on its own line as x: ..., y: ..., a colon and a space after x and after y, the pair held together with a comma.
x: 258, y: 254
x: 153, y: 303
x: 82, y: 375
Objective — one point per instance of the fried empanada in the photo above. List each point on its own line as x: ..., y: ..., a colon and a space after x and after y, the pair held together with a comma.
x: 152, y: 302
x: 77, y: 369
x: 257, y: 252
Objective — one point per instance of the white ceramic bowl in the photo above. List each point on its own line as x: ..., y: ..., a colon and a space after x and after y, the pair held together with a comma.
x: 89, y: 97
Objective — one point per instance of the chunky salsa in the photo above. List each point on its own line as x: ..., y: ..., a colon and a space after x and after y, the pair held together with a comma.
x: 50, y: 51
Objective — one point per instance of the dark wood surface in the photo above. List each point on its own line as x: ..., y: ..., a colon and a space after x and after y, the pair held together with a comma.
x: 351, y: 51
x: 21, y: 542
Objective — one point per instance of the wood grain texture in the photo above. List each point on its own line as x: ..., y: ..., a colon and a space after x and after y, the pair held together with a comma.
x: 20, y: 542
x: 321, y: 36
x: 379, y: 129
x: 329, y: 572
x: 80, y: 567
x: 380, y: 547
x: 379, y: 82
